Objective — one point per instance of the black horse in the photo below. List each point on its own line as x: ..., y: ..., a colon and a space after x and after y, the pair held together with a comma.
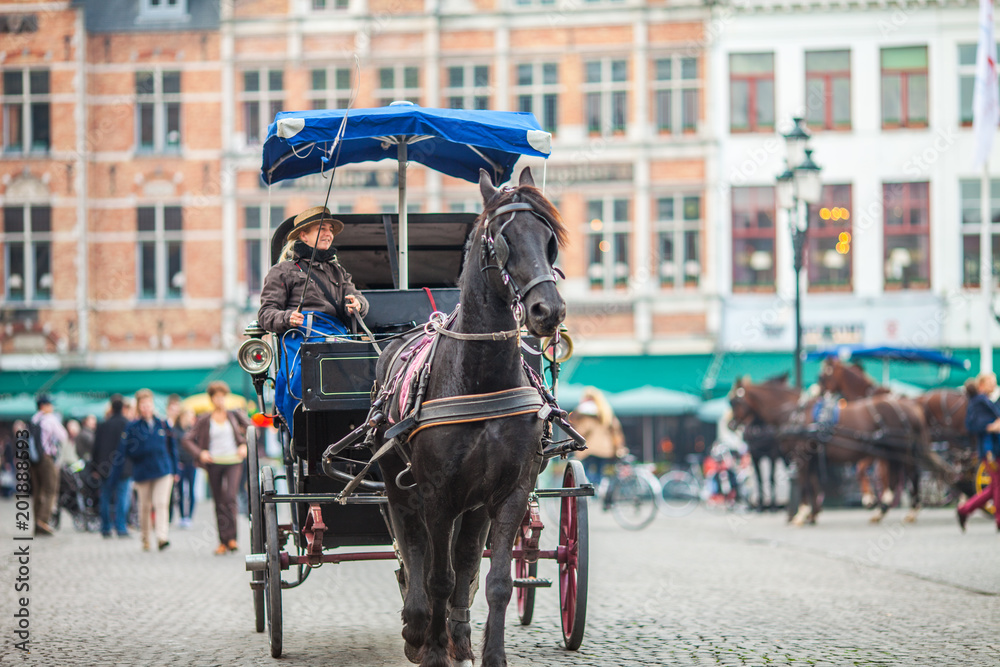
x: 762, y: 443
x: 470, y: 481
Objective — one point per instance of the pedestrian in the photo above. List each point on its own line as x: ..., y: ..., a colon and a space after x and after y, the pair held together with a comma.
x: 49, y: 435
x: 187, y: 468
x: 288, y: 303
x: 218, y: 442
x: 85, y: 439
x: 594, y: 419
x: 982, y: 419
x: 148, y: 443
x: 117, y: 494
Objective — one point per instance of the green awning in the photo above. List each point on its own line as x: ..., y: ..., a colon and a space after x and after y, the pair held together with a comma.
x: 103, y: 383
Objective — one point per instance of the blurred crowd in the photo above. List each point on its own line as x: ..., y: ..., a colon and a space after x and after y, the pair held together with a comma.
x: 131, y: 470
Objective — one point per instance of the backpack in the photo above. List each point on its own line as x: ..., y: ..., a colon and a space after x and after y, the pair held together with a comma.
x: 34, y: 442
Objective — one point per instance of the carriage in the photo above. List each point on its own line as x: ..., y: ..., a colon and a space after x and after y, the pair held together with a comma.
x: 407, y: 266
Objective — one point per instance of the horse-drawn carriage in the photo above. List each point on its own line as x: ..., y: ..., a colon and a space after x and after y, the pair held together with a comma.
x: 447, y: 476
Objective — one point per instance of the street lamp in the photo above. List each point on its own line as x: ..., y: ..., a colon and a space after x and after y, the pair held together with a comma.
x: 799, y: 182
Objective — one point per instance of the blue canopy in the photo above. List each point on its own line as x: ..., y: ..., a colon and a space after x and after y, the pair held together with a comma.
x: 456, y: 142
x: 889, y: 354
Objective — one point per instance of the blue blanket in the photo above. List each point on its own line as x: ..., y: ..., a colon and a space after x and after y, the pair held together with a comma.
x: 288, y: 382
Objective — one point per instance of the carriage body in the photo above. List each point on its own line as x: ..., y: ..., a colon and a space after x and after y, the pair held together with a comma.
x: 338, y: 374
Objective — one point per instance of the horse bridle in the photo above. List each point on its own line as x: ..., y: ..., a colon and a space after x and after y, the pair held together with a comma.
x: 496, y: 252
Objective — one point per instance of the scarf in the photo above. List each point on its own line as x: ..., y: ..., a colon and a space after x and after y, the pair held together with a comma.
x: 305, y: 251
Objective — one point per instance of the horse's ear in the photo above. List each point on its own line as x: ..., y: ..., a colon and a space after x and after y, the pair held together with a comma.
x: 526, y: 178
x: 486, y: 186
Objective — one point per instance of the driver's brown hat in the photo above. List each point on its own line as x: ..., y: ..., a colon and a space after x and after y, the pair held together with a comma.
x: 311, y: 216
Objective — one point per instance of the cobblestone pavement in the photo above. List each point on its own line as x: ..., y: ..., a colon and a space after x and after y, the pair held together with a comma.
x: 705, y: 589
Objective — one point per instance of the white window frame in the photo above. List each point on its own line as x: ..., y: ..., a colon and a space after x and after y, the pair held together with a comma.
x: 262, y: 235
x: 160, y: 237
x: 22, y: 104
x: 609, y: 274
x: 399, y: 90
x: 537, y: 91
x: 607, y: 91
x: 29, y: 239
x: 161, y: 10
x: 329, y: 5
x: 678, y: 228
x: 265, y: 98
x: 974, y: 229
x: 327, y: 97
x: 676, y: 86
x: 468, y: 93
x: 159, y: 100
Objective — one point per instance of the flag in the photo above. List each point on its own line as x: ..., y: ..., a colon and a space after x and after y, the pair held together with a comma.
x: 985, y: 99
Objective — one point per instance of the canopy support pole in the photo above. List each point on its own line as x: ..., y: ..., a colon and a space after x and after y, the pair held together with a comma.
x: 404, y: 237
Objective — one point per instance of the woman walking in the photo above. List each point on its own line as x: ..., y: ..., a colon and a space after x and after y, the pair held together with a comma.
x: 218, y: 443
x: 148, y: 443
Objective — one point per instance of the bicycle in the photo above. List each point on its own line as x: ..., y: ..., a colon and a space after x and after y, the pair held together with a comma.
x: 683, y: 489
x: 632, y: 494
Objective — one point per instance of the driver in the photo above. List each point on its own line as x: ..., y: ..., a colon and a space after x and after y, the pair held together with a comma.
x: 295, y: 310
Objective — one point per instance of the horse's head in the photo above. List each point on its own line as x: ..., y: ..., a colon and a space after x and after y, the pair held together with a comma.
x: 768, y: 402
x: 740, y: 402
x: 849, y: 380
x: 521, y: 233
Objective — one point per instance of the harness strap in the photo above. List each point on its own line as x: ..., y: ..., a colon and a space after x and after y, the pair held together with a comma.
x: 479, y: 407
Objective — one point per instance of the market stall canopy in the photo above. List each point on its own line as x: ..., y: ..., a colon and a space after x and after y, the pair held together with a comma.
x: 456, y: 142
x: 201, y: 403
x: 649, y: 400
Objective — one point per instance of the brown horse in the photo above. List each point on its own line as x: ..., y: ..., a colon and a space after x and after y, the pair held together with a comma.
x: 851, y: 382
x: 944, y: 413
x: 882, y: 426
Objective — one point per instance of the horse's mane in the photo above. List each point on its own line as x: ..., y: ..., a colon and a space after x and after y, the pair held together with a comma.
x: 777, y: 379
x: 539, y: 203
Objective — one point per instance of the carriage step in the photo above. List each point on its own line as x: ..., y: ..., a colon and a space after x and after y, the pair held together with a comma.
x: 257, y: 585
x: 532, y: 582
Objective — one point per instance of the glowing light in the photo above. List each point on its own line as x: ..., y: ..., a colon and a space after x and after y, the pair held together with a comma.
x: 824, y: 213
x: 845, y: 214
x: 604, y: 246
x: 597, y: 224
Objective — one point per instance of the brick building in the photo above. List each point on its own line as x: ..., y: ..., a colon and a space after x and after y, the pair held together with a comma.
x: 134, y: 223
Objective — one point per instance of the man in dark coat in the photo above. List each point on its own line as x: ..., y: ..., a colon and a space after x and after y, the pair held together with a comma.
x: 119, y: 491
x: 982, y: 419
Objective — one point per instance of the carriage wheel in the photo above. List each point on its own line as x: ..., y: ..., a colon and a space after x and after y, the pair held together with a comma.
x: 272, y: 574
x: 524, y: 570
x: 256, y: 510
x: 982, y: 481
x: 574, y: 535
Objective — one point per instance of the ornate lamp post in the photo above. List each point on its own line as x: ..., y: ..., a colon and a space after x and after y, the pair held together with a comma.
x: 799, y: 183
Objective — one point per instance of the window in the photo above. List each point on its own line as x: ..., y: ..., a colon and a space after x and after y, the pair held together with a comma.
x: 26, y: 125
x: 751, y: 92
x: 537, y: 91
x: 906, y: 209
x: 828, y: 90
x: 971, y: 217
x: 159, y: 265
x: 608, y: 243
x: 257, y: 242
x: 904, y: 87
x: 967, y: 81
x: 262, y: 99
x: 162, y: 9
x: 320, y: 5
x: 753, y: 238
x: 401, y: 82
x: 678, y: 230
x: 27, y: 237
x: 675, y: 94
x: 468, y: 87
x: 330, y: 88
x: 158, y: 111
x: 829, y: 241
x: 605, y: 96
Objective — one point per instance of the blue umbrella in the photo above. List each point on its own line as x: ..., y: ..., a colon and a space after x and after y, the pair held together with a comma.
x: 456, y: 142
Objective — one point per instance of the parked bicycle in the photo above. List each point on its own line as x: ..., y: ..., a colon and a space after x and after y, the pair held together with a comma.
x: 719, y: 482
x: 632, y: 493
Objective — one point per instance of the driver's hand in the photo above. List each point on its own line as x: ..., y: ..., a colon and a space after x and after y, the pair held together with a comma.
x: 353, y: 305
x: 296, y: 319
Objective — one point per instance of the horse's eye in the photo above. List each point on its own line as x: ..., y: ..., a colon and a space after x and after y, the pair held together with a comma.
x: 553, y: 249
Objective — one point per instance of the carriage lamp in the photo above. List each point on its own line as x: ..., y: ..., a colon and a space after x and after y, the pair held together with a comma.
x: 254, y: 356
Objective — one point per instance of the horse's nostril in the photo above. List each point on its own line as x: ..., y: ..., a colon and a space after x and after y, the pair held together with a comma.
x: 540, y: 311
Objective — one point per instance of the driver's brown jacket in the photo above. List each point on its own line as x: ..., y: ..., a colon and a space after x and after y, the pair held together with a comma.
x: 283, y: 288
